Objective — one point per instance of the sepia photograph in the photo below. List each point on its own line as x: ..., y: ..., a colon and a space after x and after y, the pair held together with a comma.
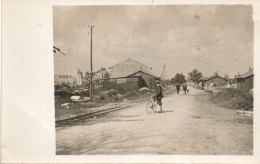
x: 153, y: 79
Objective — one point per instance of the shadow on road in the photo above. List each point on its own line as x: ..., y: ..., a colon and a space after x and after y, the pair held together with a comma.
x: 165, y: 111
x: 105, y: 143
x: 108, y: 117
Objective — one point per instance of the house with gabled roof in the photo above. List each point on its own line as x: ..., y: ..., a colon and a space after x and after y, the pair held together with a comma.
x: 127, y: 67
x: 147, y: 79
x: 214, y: 80
x: 129, y: 75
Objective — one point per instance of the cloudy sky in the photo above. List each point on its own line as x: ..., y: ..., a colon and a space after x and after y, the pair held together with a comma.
x: 183, y: 37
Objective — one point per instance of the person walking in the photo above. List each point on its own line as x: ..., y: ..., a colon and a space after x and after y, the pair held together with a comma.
x: 184, y: 87
x: 178, y: 87
x: 159, y: 94
x: 202, y: 85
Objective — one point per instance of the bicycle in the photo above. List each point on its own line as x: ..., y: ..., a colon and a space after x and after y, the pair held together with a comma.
x: 151, y: 105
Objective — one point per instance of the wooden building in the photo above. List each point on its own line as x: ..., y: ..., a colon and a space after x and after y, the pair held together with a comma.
x: 123, y: 83
x: 214, y: 80
x: 133, y: 81
x: 129, y: 75
x: 147, y: 79
x: 246, y: 80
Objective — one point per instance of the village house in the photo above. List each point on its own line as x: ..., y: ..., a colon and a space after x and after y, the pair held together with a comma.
x: 213, y: 81
x: 147, y: 79
x: 129, y: 75
x: 133, y: 81
x: 245, y: 81
x: 127, y: 67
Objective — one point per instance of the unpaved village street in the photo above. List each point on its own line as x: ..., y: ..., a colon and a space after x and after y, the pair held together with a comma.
x: 189, y: 125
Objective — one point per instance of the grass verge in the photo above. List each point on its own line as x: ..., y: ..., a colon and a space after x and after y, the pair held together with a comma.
x: 233, y: 99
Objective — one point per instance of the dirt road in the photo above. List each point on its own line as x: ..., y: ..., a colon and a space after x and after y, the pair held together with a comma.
x: 189, y: 125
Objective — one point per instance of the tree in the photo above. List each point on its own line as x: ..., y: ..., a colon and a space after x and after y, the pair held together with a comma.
x: 195, y: 75
x: 180, y: 78
x: 230, y: 81
x: 96, y: 76
x: 172, y: 81
x: 226, y: 77
x: 103, y: 73
x: 87, y: 76
x: 87, y: 79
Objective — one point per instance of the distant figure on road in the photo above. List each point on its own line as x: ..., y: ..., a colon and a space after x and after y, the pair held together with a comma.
x: 178, y: 87
x: 159, y: 94
x: 184, y: 87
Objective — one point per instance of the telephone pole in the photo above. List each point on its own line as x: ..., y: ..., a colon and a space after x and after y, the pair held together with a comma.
x: 91, y: 68
x: 163, y: 73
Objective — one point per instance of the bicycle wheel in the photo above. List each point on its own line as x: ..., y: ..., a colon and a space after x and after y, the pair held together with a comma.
x: 155, y: 106
x: 149, y: 107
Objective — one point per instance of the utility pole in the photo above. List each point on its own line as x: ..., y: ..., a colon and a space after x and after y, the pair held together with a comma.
x: 91, y: 68
x: 162, y: 75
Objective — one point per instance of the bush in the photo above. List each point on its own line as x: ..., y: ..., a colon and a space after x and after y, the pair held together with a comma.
x: 102, y: 97
x: 112, y: 92
x: 61, y: 100
x: 234, y: 98
x: 85, y: 93
x: 97, y: 91
x: 132, y: 94
x: 244, y: 105
x: 121, y: 90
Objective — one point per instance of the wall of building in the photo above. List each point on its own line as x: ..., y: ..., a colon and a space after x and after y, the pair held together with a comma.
x: 217, y: 81
x: 246, y: 83
x: 147, y: 80
x: 127, y: 84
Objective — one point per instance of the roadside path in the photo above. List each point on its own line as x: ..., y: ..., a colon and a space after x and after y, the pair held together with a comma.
x: 189, y: 125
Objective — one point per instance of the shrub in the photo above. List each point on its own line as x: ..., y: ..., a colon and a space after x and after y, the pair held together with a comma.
x: 121, y: 90
x: 61, y: 100
x: 97, y: 91
x: 132, y: 94
x: 234, y: 98
x: 85, y: 93
x: 112, y: 92
x: 102, y: 97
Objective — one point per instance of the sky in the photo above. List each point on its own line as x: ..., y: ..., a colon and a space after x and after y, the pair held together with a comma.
x: 210, y: 38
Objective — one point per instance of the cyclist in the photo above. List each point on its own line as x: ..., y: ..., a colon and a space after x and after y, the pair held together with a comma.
x: 159, y: 94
